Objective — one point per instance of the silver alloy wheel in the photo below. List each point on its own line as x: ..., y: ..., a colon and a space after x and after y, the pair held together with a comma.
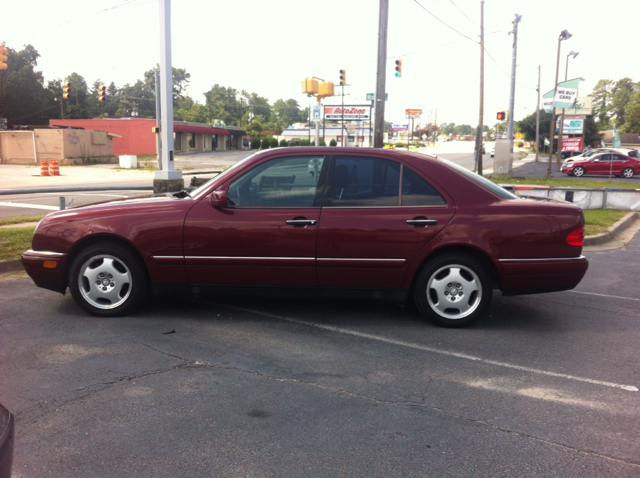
x: 627, y: 173
x: 104, y: 281
x: 454, y: 291
x: 578, y: 171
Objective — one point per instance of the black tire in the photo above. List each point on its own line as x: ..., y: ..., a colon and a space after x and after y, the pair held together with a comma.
x: 452, y: 290
x: 628, y: 173
x: 578, y: 171
x: 108, y: 280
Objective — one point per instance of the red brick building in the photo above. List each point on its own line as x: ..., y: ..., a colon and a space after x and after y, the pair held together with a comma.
x: 138, y: 138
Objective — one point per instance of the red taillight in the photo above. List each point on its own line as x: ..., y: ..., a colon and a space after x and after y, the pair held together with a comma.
x: 576, y: 238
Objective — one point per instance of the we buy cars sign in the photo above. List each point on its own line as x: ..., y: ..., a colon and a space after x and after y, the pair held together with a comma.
x: 571, y: 144
x: 351, y: 113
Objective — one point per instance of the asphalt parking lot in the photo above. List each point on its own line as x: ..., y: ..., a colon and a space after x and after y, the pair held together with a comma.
x: 545, y: 385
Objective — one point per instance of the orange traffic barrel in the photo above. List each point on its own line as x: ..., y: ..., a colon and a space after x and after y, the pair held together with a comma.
x: 54, y: 168
x: 44, y: 168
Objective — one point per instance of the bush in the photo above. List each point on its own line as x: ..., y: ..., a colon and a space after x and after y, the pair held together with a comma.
x: 305, y: 142
x: 265, y: 143
x: 333, y: 142
x: 283, y: 143
x: 322, y: 142
x: 292, y: 143
x: 401, y: 145
x: 255, y: 143
x: 274, y: 143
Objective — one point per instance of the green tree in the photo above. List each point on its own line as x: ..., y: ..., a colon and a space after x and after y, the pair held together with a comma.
x: 223, y: 105
x: 528, y: 127
x: 602, y: 95
x: 632, y: 115
x: 622, y: 92
x: 23, y: 96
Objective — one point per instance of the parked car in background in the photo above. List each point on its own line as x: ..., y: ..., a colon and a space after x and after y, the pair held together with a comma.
x: 7, y: 438
x: 373, y: 223
x: 492, y: 149
x: 632, y: 153
x: 603, y: 164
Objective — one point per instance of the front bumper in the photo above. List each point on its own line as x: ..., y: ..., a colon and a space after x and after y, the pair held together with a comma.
x: 531, y: 276
x: 47, y: 269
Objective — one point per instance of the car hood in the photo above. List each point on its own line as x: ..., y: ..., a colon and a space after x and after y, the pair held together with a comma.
x: 132, y: 199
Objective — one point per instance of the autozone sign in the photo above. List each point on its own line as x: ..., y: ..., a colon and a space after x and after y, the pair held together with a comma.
x: 350, y: 113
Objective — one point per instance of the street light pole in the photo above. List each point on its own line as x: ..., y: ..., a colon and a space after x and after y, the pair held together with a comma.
x: 564, y: 35
x: 513, y: 89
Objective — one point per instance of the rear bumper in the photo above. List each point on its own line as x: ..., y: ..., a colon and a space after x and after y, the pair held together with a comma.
x: 46, y: 269
x: 531, y: 276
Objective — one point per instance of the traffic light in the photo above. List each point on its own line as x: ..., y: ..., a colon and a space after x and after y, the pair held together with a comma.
x: 101, y: 89
x: 398, y: 68
x: 66, y: 88
x: 3, y: 57
x: 343, y: 77
x: 501, y: 116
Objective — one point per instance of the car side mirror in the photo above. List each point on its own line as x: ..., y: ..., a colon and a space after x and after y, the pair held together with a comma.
x: 596, y: 160
x: 218, y: 199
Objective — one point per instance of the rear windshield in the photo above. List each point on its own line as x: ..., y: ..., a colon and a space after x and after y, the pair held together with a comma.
x: 482, y: 181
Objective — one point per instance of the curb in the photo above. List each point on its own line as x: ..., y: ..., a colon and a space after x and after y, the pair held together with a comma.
x: 14, y: 265
x: 613, y: 231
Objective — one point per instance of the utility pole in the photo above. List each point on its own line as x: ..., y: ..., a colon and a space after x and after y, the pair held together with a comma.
x: 378, y: 139
x: 538, y: 117
x: 158, y: 116
x: 478, y: 161
x: 167, y: 179
x: 513, y: 89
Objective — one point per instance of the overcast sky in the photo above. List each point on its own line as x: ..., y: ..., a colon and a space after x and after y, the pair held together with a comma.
x: 270, y: 46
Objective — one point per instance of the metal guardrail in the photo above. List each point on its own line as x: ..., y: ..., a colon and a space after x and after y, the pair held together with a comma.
x: 7, y: 192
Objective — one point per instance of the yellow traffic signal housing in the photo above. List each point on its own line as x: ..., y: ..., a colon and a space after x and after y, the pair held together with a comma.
x: 343, y: 77
x: 326, y: 89
x: 66, y: 88
x: 3, y: 57
x: 398, y: 68
x: 310, y: 86
x: 155, y: 129
x: 101, y: 90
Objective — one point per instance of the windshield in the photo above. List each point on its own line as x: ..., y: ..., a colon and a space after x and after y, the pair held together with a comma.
x: 224, y: 173
x: 482, y: 181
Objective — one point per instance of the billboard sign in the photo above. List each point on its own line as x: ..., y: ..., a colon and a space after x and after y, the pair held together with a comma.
x: 412, y: 112
x: 351, y: 113
x: 571, y: 144
x: 399, y: 127
x: 571, y: 126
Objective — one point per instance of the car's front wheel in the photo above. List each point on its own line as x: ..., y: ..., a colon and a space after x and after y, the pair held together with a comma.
x: 108, y: 280
x: 628, y: 173
x: 453, y: 290
x: 578, y: 171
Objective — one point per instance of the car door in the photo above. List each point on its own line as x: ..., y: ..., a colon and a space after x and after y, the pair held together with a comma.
x: 377, y: 215
x: 601, y: 166
x: 267, y: 233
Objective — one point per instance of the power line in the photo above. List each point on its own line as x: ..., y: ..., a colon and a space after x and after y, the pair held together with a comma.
x: 446, y: 24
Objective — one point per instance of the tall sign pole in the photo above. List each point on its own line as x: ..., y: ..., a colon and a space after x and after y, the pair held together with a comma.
x: 158, y: 116
x: 481, y: 119
x: 167, y: 179
x: 378, y: 138
x: 513, y: 89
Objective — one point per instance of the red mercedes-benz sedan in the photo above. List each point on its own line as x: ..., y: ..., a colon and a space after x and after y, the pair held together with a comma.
x: 371, y: 223
x: 606, y: 163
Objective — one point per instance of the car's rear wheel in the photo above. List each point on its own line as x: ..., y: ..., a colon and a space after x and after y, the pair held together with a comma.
x: 108, y: 280
x: 453, y: 290
x: 578, y: 171
x: 628, y: 173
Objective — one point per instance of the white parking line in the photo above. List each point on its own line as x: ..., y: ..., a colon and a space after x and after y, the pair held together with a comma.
x: 32, y: 206
x: 402, y: 343
x: 602, y: 295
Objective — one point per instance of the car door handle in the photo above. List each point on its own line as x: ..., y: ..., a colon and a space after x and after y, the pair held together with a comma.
x: 302, y: 222
x: 422, y: 222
